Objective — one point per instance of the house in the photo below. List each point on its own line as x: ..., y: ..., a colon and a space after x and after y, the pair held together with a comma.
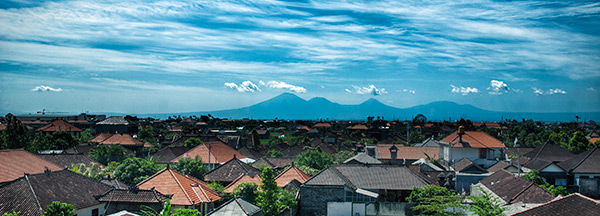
x: 511, y: 191
x: 213, y: 153
x: 467, y: 173
x: 512, y: 168
x: 574, y: 204
x: 477, y: 146
x: 230, y: 171
x: 243, y: 178
x: 584, y: 172
x: 545, y: 159
x: 124, y: 140
x: 31, y: 193
x: 100, y: 137
x: 130, y: 199
x: 237, y: 207
x: 66, y: 160
x: 277, y: 164
x: 362, y: 158
x: 355, y: 189
x: 396, y: 154
x: 290, y: 174
x: 116, y: 124
x: 59, y: 125
x: 186, y: 191
x: 14, y: 163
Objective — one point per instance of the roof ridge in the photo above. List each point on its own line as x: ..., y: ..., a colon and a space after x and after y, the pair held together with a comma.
x: 521, y: 192
x: 541, y: 149
x: 584, y: 159
x: 37, y: 201
x: 476, y: 139
x: 180, y: 185
x: 343, y: 177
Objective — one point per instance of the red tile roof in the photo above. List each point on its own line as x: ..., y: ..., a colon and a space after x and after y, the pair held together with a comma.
x: 358, y: 127
x: 219, y: 153
x: 243, y: 179
x: 405, y: 152
x: 121, y: 139
x: 2, y: 127
x: 100, y: 137
x: 290, y: 174
x: 15, y: 163
x: 474, y: 139
x: 186, y: 190
x: 322, y: 125
x: 59, y: 125
x: 592, y: 140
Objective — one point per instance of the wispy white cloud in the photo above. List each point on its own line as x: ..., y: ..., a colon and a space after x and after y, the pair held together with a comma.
x: 464, y: 90
x: 498, y: 87
x: 538, y: 91
x: 246, y: 86
x: 363, y: 90
x: 43, y: 88
x: 283, y: 85
x: 591, y: 89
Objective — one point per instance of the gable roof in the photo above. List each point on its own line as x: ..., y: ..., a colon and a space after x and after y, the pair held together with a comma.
x: 59, y: 125
x: 230, y: 170
x: 406, y: 152
x: 514, y: 189
x: 236, y: 207
x: 243, y: 178
x: 219, y: 153
x: 166, y: 155
x: 65, y: 160
x: 290, y: 174
x: 278, y: 162
x: 100, y: 137
x: 186, y: 190
x: 363, y: 158
x: 465, y: 165
x: 569, y: 205
x: 537, y: 164
x: 358, y: 127
x: 473, y: 139
x: 500, y: 165
x: 15, y: 163
x: 121, y: 139
x: 115, y: 120
x: 132, y: 196
x: 585, y: 162
x: 30, y: 194
x: 367, y: 177
x: 322, y: 124
x: 550, y: 152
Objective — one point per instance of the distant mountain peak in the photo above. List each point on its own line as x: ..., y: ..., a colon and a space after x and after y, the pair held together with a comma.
x: 372, y: 101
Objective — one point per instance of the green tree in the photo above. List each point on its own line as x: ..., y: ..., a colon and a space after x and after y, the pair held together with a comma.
x: 85, y: 136
x: 57, y: 208
x: 579, y: 143
x: 561, y: 138
x: 165, y: 211
x: 486, y: 205
x: 216, y: 187
x: 315, y: 158
x: 16, y: 135
x: 146, y: 134
x: 434, y: 200
x: 286, y: 200
x: 267, y: 195
x: 342, y: 156
x: 57, y: 140
x: 134, y: 170
x: 186, y: 212
x: 535, y: 177
x: 415, y: 137
x: 247, y: 191
x: 13, y: 213
x: 192, y: 142
x: 108, y: 153
x: 193, y: 167
x: 368, y: 141
x: 273, y: 154
x: 93, y: 170
x: 299, y: 141
x: 419, y: 119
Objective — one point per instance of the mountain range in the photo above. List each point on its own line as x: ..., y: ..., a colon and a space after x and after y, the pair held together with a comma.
x: 291, y: 107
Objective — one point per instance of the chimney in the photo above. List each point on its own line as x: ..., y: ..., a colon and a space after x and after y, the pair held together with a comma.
x: 461, y: 131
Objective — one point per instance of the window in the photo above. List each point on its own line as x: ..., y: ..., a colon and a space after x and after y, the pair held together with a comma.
x: 95, y: 212
x: 482, y: 153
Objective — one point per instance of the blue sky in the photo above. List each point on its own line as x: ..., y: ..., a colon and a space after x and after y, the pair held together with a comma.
x: 181, y: 56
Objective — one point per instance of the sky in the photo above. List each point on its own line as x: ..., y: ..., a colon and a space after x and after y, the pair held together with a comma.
x: 183, y: 56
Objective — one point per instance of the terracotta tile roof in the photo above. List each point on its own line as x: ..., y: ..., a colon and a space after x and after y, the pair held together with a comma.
x: 219, y: 153
x: 550, y: 152
x: 358, y: 127
x: 243, y: 178
x: 594, y: 139
x: 148, y: 145
x: 514, y: 189
x: 59, y: 125
x: 30, y: 194
x: 14, y: 163
x: 290, y: 174
x: 132, y: 196
x: 121, y: 139
x: 65, y: 160
x: 303, y: 128
x: 473, y: 139
x: 585, y: 162
x: 186, y: 190
x: 2, y: 127
x: 230, y: 171
x: 574, y: 204
x: 407, y: 152
x: 322, y: 124
x: 100, y: 137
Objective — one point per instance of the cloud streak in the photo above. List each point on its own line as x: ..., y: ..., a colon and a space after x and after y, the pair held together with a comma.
x: 538, y: 91
x: 364, y: 90
x: 246, y: 86
x: 283, y: 85
x: 464, y: 90
x: 43, y: 88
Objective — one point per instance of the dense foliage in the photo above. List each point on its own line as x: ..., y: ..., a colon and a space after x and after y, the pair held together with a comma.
x: 57, y: 208
x: 192, y: 142
x: 16, y: 135
x: 315, y: 158
x: 247, y: 191
x: 191, y: 166
x: 434, y: 200
x: 273, y: 154
x: 271, y: 198
x: 486, y: 205
x: 133, y: 170
x: 535, y: 177
x: 108, y: 153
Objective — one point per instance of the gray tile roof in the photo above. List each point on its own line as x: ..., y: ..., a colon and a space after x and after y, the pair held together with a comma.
x: 65, y: 160
x: 132, y: 196
x: 574, y: 204
x: 237, y: 207
x: 585, y: 162
x: 368, y: 177
x: 363, y: 158
x: 550, y: 152
x: 115, y: 120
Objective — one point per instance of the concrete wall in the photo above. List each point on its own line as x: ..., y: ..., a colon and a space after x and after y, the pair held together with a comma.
x: 88, y: 211
x: 339, y: 208
x: 314, y: 199
x: 114, y: 207
x: 590, y: 187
